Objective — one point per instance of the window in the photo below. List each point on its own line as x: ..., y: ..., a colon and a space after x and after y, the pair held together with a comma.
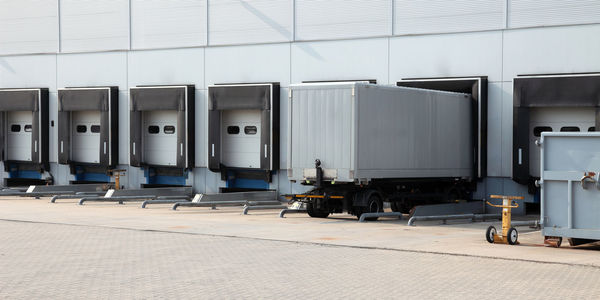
x: 15, y: 128
x: 591, y: 129
x: 250, y: 130
x: 569, y: 129
x: 28, y: 128
x: 537, y: 131
x: 169, y: 129
x: 233, y: 129
x: 153, y: 129
x: 95, y: 128
x: 81, y: 128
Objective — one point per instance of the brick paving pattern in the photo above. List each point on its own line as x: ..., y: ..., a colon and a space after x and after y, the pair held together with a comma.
x: 51, y: 261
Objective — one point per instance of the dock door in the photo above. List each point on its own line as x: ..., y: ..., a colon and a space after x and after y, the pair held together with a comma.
x: 88, y: 129
x: 549, y: 103
x: 243, y: 134
x: 24, y: 135
x: 161, y: 135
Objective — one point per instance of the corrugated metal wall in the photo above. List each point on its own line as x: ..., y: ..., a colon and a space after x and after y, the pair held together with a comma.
x: 167, y: 24
x: 251, y: 21
x: 94, y: 25
x: 28, y: 26
x: 531, y: 13
x: 335, y: 19
x: 289, y: 41
x: 435, y: 16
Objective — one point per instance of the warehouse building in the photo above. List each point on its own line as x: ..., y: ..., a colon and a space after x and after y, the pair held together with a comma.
x: 129, y: 46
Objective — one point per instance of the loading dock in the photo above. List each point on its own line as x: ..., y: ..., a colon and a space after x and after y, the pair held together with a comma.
x: 162, y: 133
x: 243, y: 139
x: 477, y: 87
x: 88, y: 127
x: 549, y: 103
x: 24, y: 135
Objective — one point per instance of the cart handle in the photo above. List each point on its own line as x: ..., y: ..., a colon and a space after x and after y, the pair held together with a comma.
x: 502, y: 206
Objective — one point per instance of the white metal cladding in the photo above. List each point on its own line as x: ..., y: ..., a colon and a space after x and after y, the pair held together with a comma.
x: 28, y: 26
x: 252, y: 63
x: 251, y: 21
x: 162, y: 24
x: 447, y: 55
x: 361, y: 131
x: 568, y: 49
x: 171, y: 66
x: 570, y: 208
x: 321, y: 128
x: 529, y: 13
x: 334, y: 19
x: 94, y: 25
x: 340, y: 60
x: 92, y: 69
x: 437, y: 16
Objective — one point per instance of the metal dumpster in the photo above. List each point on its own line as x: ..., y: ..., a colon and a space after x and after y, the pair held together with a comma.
x: 570, y: 186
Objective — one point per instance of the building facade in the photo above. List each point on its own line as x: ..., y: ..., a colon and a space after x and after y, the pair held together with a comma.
x: 124, y: 43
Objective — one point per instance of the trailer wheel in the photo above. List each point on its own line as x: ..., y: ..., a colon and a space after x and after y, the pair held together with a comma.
x: 316, y: 213
x: 374, y: 204
x: 490, y: 233
x: 513, y: 236
x: 401, y: 206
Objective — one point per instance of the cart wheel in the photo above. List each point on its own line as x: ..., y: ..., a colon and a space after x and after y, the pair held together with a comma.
x: 559, y: 242
x: 513, y: 235
x: 490, y: 233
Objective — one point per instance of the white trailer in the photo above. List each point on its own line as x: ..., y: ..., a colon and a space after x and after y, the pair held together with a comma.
x: 365, y: 144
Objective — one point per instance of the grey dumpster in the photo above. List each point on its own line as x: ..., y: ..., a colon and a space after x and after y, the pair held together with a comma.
x: 570, y: 186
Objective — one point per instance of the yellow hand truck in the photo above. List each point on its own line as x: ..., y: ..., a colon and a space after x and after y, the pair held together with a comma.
x: 509, y: 233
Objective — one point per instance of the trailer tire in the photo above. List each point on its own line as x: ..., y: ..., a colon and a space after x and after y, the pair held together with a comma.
x: 316, y: 213
x: 401, y: 206
x: 374, y: 204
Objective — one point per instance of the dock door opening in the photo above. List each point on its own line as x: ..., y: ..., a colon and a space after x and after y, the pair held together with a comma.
x: 24, y: 135
x: 477, y: 87
x: 162, y: 133
x: 88, y: 129
x: 555, y: 102
x: 243, y: 133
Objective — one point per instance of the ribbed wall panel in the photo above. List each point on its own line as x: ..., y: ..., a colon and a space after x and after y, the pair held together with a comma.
x: 28, y: 26
x: 335, y: 19
x: 438, y: 16
x: 94, y: 25
x: 167, y: 24
x: 251, y: 21
x: 529, y: 13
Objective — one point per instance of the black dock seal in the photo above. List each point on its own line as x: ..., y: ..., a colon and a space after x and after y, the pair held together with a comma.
x: 36, y: 101
x: 557, y: 90
x: 103, y: 99
x: 180, y: 98
x: 260, y: 96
